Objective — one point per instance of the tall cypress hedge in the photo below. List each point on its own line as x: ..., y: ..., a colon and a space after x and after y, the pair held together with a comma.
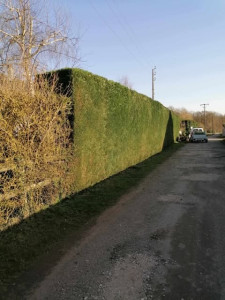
x: 114, y: 127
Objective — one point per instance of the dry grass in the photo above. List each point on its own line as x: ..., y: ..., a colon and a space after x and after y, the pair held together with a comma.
x: 35, y: 150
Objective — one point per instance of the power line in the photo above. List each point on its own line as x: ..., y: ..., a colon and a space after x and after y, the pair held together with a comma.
x: 127, y: 29
x: 115, y: 33
x: 134, y: 36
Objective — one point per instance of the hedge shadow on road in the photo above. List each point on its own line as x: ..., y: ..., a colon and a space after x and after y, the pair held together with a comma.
x: 23, y: 245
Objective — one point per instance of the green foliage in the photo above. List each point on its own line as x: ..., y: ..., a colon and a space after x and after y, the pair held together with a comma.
x: 42, y: 160
x: 114, y: 127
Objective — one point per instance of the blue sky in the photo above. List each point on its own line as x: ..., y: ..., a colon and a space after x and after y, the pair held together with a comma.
x: 184, y: 39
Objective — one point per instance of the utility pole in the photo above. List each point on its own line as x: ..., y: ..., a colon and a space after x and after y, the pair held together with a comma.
x: 153, y: 80
x: 204, y: 105
x: 212, y: 125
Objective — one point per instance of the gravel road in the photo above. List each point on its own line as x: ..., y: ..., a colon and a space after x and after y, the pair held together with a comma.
x: 163, y: 240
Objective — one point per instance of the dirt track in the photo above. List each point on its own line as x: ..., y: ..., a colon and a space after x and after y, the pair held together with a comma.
x: 163, y: 240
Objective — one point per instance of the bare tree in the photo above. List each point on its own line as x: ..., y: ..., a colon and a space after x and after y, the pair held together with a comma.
x: 26, y: 34
x: 182, y: 112
x: 126, y: 82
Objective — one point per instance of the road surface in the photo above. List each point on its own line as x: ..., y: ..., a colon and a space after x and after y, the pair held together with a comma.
x: 163, y: 240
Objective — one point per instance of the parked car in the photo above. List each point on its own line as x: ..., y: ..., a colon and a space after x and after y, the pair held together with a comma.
x: 198, y: 136
x: 193, y: 130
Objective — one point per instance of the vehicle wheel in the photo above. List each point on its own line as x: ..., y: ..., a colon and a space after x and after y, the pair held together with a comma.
x: 206, y: 141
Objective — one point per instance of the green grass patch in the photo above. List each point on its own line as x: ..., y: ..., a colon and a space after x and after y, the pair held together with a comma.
x: 23, y: 244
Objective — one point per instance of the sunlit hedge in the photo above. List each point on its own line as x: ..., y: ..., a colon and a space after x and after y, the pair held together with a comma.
x: 52, y: 145
x: 35, y: 149
x: 113, y: 127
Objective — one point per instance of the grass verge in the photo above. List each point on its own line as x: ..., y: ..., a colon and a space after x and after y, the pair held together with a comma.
x: 22, y: 244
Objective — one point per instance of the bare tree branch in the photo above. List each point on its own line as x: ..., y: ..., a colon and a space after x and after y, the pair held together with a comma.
x: 126, y: 82
x: 25, y: 36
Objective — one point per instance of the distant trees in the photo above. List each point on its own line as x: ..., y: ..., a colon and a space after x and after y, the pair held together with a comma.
x: 182, y: 112
x: 214, y: 120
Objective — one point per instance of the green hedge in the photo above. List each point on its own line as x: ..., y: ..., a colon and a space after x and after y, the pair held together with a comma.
x: 114, y: 127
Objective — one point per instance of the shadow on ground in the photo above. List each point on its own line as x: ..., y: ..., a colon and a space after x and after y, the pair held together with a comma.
x: 47, y: 235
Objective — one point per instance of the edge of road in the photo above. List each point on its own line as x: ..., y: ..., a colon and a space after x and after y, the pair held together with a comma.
x: 43, y: 239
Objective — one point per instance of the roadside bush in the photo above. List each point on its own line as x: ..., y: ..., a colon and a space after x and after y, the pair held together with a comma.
x: 35, y: 152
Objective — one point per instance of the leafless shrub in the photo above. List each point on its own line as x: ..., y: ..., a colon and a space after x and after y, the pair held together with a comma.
x: 35, y: 148
x: 126, y: 82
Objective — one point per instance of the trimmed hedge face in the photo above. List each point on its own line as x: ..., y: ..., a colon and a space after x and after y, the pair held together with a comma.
x: 114, y: 127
